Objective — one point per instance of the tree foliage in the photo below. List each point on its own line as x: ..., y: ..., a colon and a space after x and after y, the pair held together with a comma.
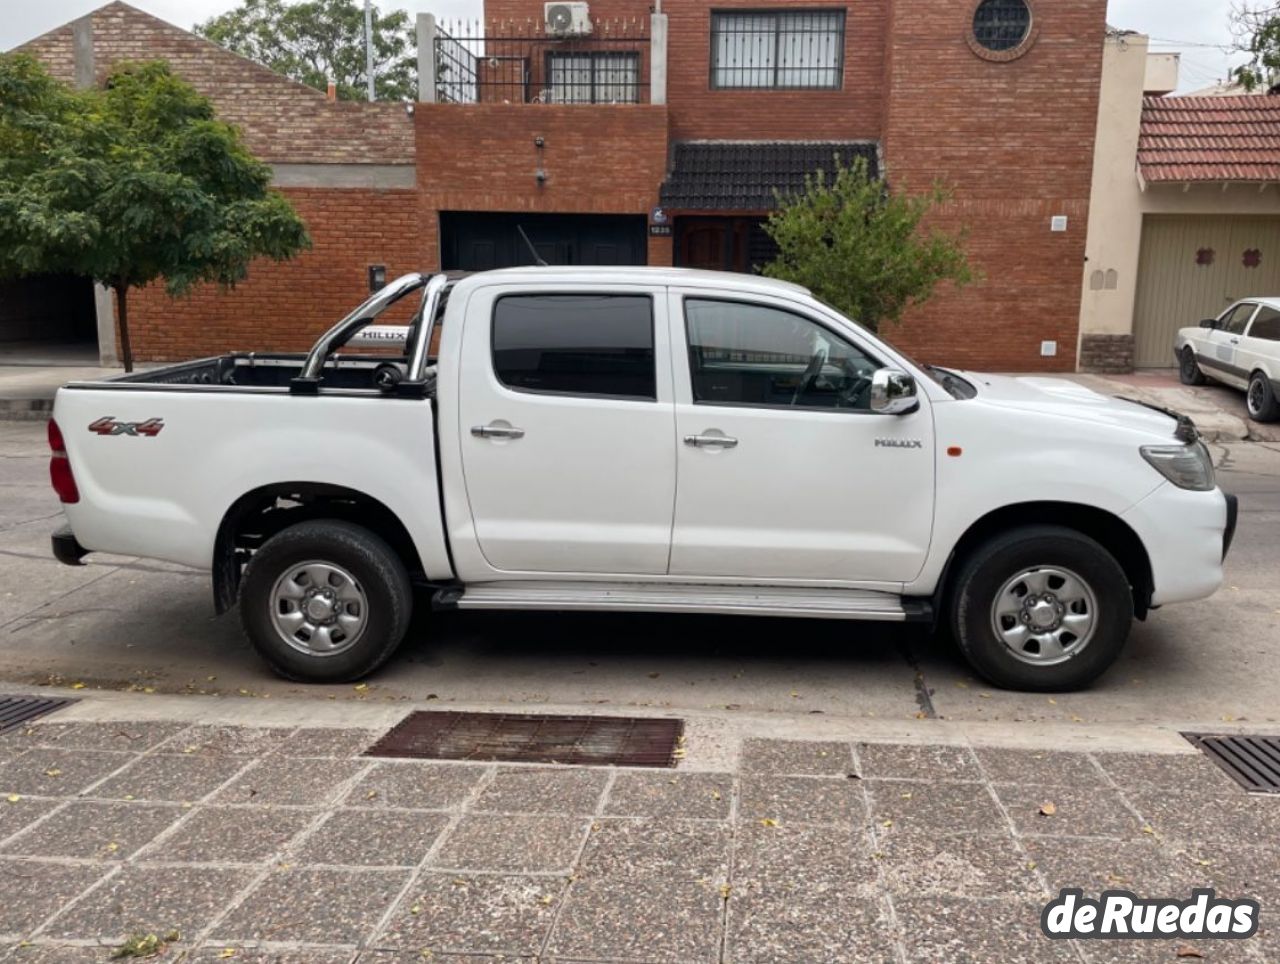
x: 316, y: 41
x: 1257, y: 33
x: 863, y: 249
x: 131, y: 184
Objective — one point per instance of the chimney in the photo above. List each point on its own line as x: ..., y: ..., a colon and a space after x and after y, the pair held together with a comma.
x: 332, y: 93
x: 82, y: 51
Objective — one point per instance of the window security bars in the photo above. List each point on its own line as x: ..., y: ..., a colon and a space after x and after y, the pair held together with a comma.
x: 521, y: 63
x: 778, y: 50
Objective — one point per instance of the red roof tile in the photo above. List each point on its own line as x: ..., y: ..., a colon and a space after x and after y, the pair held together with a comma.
x: 1210, y: 139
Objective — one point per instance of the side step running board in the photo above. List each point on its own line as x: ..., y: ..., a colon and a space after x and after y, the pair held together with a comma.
x: 666, y: 598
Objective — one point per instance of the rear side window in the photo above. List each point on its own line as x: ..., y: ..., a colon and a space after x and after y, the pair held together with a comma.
x: 1267, y: 325
x: 576, y: 345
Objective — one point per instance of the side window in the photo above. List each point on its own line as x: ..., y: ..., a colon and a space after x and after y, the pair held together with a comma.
x: 748, y: 354
x: 575, y: 344
x: 1237, y: 318
x: 1267, y: 325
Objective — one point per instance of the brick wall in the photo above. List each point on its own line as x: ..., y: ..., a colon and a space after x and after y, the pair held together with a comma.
x: 285, y: 306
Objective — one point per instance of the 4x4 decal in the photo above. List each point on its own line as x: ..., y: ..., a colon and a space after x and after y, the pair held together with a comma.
x: 108, y: 425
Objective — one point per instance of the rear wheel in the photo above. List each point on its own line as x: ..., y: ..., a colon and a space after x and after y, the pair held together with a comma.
x: 1189, y: 372
x: 1261, y: 399
x: 325, y: 602
x: 1041, y: 608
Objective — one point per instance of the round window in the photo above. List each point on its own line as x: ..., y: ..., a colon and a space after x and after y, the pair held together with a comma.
x: 1001, y: 26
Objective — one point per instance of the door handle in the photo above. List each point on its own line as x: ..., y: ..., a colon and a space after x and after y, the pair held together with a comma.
x: 497, y: 431
x: 710, y: 441
x: 1235, y: 341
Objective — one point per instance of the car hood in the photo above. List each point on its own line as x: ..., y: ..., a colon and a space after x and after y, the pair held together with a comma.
x: 1068, y: 399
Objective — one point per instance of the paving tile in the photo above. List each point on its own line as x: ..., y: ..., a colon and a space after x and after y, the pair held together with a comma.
x: 801, y: 800
x: 18, y: 814
x: 1045, y: 768
x: 553, y: 790
x: 639, y: 919
x: 415, y: 785
x: 1077, y: 811
x: 208, y: 740
x: 773, y: 926
x: 373, y: 838
x: 230, y: 835
x: 55, y: 953
x: 805, y: 856
x: 1141, y: 866
x: 679, y: 849
x: 481, y: 914
x: 1164, y: 952
x: 960, y: 865
x: 419, y: 956
x: 133, y: 737
x: 289, y: 782
x: 695, y: 796
x: 796, y: 758
x: 1171, y: 771
x: 902, y: 807
x: 321, y: 742
x: 1209, y: 815
x: 317, y: 906
x: 909, y: 762
x: 1236, y: 871
x: 151, y: 899
x: 515, y: 843
x: 31, y: 892
x: 211, y: 953
x: 953, y: 929
x: 105, y: 831
x: 58, y: 773
x: 170, y: 778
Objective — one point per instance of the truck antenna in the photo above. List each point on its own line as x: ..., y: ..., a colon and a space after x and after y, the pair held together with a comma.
x: 537, y: 258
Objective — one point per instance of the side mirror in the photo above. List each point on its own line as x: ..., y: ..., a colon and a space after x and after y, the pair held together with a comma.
x: 893, y: 392
x: 1209, y: 323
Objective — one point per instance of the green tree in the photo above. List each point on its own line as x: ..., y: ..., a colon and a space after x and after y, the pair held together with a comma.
x: 1257, y: 33
x: 130, y: 185
x: 861, y: 248
x: 317, y: 41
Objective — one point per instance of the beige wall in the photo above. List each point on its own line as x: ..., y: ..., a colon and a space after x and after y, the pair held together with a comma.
x: 1119, y: 204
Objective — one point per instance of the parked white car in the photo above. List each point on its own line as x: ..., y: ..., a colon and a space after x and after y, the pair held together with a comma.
x: 1240, y: 348
x: 641, y: 439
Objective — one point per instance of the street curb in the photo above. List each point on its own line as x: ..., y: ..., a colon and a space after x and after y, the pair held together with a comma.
x: 25, y: 409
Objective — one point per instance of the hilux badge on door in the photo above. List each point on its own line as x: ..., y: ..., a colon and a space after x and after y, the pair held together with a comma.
x: 899, y: 443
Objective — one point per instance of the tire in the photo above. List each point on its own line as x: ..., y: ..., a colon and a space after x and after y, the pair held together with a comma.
x: 364, y: 605
x: 1260, y: 399
x: 1189, y: 372
x: 988, y: 577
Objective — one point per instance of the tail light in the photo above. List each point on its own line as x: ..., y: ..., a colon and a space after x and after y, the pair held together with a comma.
x: 60, y: 475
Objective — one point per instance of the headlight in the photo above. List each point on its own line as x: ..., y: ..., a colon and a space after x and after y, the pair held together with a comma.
x: 1186, y: 466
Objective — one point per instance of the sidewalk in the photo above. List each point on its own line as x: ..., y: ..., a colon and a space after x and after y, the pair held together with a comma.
x: 280, y: 843
x: 26, y: 391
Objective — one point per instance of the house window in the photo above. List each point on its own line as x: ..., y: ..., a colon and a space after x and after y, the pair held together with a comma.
x: 593, y: 77
x: 777, y: 50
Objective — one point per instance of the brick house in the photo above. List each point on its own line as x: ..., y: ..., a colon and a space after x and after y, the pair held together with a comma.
x: 659, y: 138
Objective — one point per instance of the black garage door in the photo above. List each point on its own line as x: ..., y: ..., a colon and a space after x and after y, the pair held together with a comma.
x: 480, y: 241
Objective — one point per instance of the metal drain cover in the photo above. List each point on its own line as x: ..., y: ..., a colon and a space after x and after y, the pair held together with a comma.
x: 16, y: 710
x: 1252, y: 761
x: 533, y: 738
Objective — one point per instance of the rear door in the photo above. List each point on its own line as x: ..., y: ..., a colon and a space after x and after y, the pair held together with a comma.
x: 566, y: 424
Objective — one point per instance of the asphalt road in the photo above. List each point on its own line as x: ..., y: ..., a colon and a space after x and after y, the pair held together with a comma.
x: 134, y: 624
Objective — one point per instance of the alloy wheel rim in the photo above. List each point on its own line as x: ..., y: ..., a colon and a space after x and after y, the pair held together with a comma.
x: 1045, y: 615
x: 1255, y: 397
x: 319, y: 608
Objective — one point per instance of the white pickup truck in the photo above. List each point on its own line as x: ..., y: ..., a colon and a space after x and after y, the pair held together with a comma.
x: 641, y: 439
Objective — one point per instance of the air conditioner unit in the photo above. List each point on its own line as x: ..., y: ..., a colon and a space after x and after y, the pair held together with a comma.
x: 567, y: 19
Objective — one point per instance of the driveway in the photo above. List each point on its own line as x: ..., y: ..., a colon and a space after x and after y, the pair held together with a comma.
x: 125, y: 624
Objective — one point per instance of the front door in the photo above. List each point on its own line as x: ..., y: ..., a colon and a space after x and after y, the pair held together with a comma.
x: 566, y: 420
x: 1224, y: 345
x: 784, y: 473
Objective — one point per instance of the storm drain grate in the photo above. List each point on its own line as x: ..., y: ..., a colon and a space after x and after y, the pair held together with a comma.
x: 1252, y: 761
x: 533, y: 738
x: 16, y: 710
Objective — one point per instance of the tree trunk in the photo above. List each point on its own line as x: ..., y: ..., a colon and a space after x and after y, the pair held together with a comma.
x: 122, y: 311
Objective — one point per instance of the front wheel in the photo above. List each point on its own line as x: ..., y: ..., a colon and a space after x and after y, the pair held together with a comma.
x: 1261, y: 399
x: 325, y: 602
x: 1041, y: 608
